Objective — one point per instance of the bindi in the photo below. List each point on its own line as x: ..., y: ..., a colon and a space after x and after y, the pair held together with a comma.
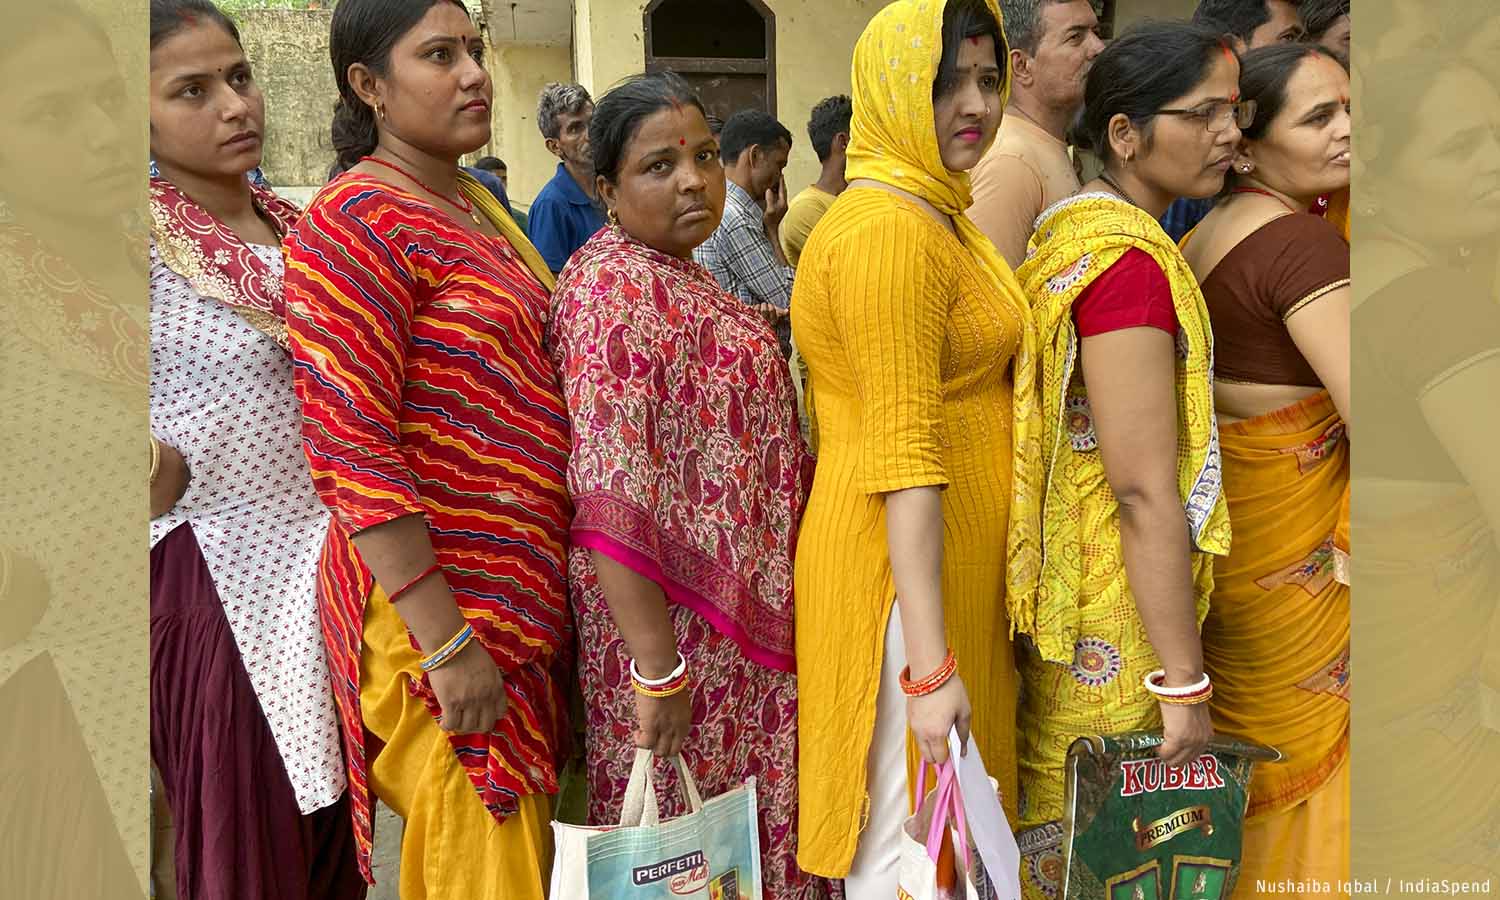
x: 974, y: 40
x: 682, y: 142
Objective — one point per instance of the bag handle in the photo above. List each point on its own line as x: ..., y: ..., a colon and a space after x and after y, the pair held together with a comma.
x: 640, y: 806
x: 948, y: 803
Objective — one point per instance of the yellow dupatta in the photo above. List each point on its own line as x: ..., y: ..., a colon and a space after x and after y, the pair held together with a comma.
x: 486, y: 203
x: 1076, y: 240
x: 893, y: 140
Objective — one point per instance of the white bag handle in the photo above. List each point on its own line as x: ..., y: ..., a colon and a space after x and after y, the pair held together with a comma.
x: 639, y: 806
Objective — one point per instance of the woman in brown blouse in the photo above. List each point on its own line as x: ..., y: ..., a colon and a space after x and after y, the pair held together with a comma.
x: 1276, y: 280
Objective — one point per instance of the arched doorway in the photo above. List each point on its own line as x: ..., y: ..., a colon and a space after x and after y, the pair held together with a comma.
x: 724, y: 48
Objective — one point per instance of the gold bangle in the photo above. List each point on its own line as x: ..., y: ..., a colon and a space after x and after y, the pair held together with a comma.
x: 155, y: 458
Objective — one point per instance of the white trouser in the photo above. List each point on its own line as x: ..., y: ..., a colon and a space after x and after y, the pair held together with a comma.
x: 873, y: 874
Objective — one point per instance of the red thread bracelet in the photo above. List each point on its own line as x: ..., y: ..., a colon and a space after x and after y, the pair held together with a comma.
x: 924, y: 686
x: 395, y: 595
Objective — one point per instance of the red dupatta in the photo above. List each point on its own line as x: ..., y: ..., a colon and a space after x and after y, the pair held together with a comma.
x: 688, y: 465
x: 217, y: 262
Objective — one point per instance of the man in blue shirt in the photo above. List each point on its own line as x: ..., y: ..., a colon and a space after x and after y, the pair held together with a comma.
x: 567, y: 212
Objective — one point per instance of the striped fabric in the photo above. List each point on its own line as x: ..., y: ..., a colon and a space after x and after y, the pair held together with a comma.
x: 425, y: 390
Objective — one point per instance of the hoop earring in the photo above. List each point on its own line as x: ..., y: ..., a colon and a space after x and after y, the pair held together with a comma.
x: 380, y: 111
x: 614, y: 218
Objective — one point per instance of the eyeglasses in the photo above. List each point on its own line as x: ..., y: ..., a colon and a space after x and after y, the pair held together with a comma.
x: 1216, y: 116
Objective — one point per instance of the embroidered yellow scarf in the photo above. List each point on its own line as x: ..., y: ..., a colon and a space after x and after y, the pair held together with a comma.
x: 1076, y: 240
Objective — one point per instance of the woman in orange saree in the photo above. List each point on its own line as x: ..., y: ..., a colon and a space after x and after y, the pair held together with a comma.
x: 1276, y: 640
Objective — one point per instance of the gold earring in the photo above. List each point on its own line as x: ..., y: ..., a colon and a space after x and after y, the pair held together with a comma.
x: 614, y: 217
x: 380, y: 111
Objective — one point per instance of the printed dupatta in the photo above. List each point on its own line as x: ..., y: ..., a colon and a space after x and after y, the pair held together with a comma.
x: 218, y: 263
x: 688, y: 465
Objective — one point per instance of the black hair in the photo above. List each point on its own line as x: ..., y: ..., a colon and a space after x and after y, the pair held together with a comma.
x: 364, y: 31
x: 1141, y: 72
x: 619, y: 113
x: 1264, y: 75
x: 171, y: 16
x: 966, y: 19
x: 750, y: 128
x: 1237, y: 17
x: 829, y: 117
x: 715, y: 124
x: 1319, y: 15
x: 490, y: 163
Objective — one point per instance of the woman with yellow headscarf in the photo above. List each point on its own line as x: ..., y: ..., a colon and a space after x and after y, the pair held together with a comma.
x: 919, y: 347
x: 1134, y: 512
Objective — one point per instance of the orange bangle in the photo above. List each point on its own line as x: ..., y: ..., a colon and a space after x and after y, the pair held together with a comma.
x: 924, y: 686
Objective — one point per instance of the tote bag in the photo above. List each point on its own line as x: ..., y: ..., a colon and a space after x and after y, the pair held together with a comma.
x: 710, y: 853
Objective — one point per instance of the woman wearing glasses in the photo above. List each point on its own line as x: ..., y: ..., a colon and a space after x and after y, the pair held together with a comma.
x: 1276, y: 280
x: 1133, y: 515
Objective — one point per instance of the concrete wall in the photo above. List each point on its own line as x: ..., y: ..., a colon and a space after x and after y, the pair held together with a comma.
x: 519, y: 72
x: 814, y: 46
x: 289, y: 51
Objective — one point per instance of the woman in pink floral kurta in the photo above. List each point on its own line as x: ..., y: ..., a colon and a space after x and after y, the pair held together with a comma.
x: 688, y: 469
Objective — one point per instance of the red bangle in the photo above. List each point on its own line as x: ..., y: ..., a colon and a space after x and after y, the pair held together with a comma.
x: 924, y: 686
x: 396, y: 594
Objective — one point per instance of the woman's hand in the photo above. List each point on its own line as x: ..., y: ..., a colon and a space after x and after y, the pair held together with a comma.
x: 931, y: 716
x: 663, y: 722
x: 1187, y: 729
x: 171, y: 480
x: 470, y: 690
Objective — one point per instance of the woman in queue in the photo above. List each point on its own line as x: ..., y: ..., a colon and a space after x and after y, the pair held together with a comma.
x: 688, y: 474
x: 243, y: 726
x: 1276, y: 281
x: 1134, y: 514
x: 912, y: 326
x: 438, y: 437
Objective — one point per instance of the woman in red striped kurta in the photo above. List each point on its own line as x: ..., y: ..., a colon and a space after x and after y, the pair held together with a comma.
x: 436, y: 431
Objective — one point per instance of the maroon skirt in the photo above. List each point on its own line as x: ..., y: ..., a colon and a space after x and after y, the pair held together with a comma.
x: 240, y: 834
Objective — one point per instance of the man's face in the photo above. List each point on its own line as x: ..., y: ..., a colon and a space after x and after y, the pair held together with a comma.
x: 572, y: 142
x: 766, y: 165
x: 1284, y: 26
x: 1065, y: 52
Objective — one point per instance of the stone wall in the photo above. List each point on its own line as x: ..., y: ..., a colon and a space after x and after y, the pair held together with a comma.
x: 289, y: 50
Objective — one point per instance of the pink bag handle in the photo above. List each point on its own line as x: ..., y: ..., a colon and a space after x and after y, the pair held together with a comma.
x: 948, y: 802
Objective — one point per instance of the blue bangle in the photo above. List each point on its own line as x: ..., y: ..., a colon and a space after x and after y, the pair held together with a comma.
x: 446, y: 652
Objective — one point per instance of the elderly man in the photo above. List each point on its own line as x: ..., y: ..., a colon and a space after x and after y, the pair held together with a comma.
x: 1052, y: 45
x: 567, y: 211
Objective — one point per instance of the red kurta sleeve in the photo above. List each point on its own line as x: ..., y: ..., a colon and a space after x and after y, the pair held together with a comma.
x: 351, y: 297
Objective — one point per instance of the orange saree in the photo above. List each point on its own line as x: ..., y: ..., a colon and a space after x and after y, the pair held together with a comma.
x: 1276, y: 640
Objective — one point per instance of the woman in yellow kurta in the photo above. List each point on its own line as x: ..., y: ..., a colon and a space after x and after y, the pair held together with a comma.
x: 909, y: 322
x: 1134, y: 513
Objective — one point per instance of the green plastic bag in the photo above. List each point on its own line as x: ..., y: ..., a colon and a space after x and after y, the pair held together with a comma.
x: 1134, y: 828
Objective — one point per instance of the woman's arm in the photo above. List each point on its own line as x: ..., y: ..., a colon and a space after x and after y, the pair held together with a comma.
x: 1321, y: 332
x: 639, y: 609
x: 170, y: 480
x: 469, y: 687
x: 914, y: 538
x: 1130, y: 375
